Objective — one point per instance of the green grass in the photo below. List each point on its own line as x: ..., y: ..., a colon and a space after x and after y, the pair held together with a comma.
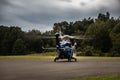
x: 52, y: 55
x: 104, y: 77
x: 26, y: 57
x: 97, y: 58
x: 42, y: 57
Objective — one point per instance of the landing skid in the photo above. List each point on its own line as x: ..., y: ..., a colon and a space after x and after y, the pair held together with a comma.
x: 69, y: 59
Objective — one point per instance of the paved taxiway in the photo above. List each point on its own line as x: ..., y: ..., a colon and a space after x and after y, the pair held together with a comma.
x: 49, y: 70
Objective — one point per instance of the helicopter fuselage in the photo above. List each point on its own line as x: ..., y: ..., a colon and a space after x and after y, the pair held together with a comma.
x: 64, y: 48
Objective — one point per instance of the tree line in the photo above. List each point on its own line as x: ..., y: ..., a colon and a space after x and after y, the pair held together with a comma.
x: 104, y: 34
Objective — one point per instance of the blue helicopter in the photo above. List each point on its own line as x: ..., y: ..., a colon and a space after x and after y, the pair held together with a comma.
x: 65, y: 50
x: 64, y: 47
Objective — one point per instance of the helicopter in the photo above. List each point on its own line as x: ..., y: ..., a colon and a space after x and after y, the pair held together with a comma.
x: 65, y: 50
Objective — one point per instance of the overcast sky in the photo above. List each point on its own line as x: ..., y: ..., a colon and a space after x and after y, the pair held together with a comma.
x: 42, y: 14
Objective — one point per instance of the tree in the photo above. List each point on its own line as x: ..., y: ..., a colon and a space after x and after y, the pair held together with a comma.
x: 8, y: 36
x: 110, y: 24
x: 33, y: 41
x: 116, y: 29
x: 19, y: 47
x: 115, y: 35
x: 81, y: 26
x: 37, y: 45
x: 62, y: 26
x: 104, y: 17
x: 100, y: 36
x: 115, y: 51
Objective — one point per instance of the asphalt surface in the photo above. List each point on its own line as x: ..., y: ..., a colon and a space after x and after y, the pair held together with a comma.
x: 49, y: 70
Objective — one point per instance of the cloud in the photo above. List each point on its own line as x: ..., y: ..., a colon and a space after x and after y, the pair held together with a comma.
x: 82, y: 3
x: 2, y: 4
x: 66, y: 0
x: 42, y: 14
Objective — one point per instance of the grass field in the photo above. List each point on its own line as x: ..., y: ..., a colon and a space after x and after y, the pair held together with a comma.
x: 51, y: 56
x: 104, y: 77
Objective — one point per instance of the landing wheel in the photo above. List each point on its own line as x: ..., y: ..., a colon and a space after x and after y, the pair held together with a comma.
x: 75, y: 60
x: 55, y: 59
x: 69, y: 59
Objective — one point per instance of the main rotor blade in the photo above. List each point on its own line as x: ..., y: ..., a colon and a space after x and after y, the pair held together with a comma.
x: 49, y: 48
x: 47, y: 37
x: 65, y: 36
x: 79, y: 37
